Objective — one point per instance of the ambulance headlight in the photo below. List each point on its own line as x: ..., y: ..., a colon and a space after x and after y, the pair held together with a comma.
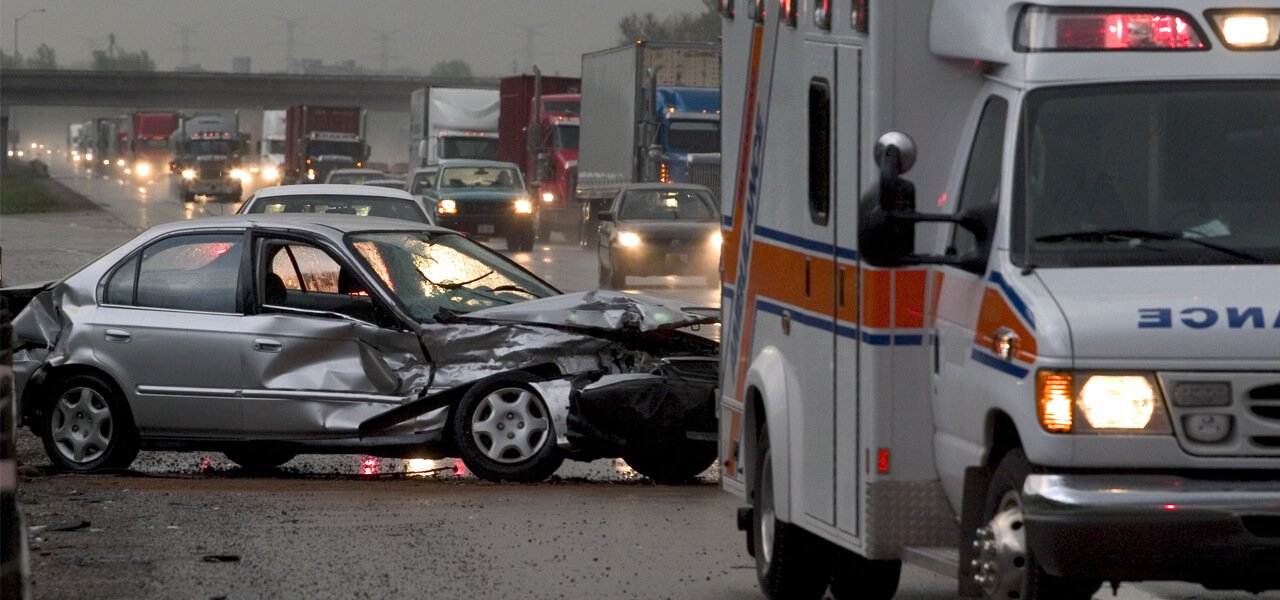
x: 1100, y: 403
x: 1117, y: 401
x: 1247, y: 29
x: 717, y: 240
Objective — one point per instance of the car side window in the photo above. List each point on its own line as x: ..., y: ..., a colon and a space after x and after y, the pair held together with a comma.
x: 190, y: 272
x: 300, y: 275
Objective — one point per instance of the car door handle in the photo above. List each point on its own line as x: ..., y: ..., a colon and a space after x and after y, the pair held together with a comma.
x: 117, y: 336
x: 267, y: 345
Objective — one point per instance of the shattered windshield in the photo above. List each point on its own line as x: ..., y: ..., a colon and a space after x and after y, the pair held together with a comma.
x: 431, y: 273
x: 1168, y: 174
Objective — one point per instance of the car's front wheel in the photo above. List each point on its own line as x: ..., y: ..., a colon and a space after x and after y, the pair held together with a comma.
x: 88, y: 427
x: 504, y: 431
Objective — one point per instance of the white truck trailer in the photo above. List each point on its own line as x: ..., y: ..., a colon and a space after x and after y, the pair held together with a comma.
x: 452, y: 123
x: 271, y: 146
x: 1045, y: 358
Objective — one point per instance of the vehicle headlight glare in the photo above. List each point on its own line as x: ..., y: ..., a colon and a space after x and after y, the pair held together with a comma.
x: 548, y: 196
x: 241, y: 175
x: 120, y: 162
x: 524, y: 206
x: 311, y: 174
x: 717, y: 239
x: 628, y: 239
x: 1117, y: 401
x: 271, y: 174
x: 447, y: 207
x: 143, y: 169
x: 188, y: 174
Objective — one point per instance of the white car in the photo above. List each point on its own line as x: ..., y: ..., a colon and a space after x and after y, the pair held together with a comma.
x: 353, y: 175
x: 362, y: 200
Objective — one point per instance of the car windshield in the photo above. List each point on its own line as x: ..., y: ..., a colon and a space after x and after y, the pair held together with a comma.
x: 152, y: 143
x: 209, y: 147
x: 502, y: 178
x: 434, y: 272
x: 562, y: 106
x: 666, y: 205
x: 394, y: 208
x: 1149, y: 174
x: 275, y: 146
x: 694, y: 136
x: 322, y: 147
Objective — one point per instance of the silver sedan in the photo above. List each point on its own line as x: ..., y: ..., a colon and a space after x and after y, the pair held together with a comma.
x: 264, y: 337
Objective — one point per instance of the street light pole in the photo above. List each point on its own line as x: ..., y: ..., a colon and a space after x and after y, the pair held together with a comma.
x: 15, y: 28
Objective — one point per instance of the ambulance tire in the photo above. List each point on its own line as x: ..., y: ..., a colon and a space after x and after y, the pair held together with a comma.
x: 791, y: 563
x: 1004, y: 494
x: 857, y: 578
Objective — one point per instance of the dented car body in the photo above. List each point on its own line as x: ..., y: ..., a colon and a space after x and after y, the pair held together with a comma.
x: 267, y: 337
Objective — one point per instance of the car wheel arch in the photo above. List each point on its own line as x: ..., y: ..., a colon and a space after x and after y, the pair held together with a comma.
x: 35, y: 400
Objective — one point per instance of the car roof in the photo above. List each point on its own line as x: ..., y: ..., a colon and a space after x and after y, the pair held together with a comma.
x: 332, y: 189
x: 350, y: 170
x: 320, y: 223
x: 471, y: 162
x: 665, y: 186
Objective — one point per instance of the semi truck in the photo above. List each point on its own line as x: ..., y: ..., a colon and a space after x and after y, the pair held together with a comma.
x: 319, y: 139
x: 650, y: 113
x: 149, y: 143
x: 208, y: 153
x: 271, y: 146
x: 109, y: 144
x: 992, y: 298
x: 452, y: 123
x: 538, y: 130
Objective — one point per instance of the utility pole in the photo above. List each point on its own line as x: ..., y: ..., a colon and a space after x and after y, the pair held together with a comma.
x: 530, y: 41
x: 384, y: 50
x: 15, y: 28
x: 185, y: 30
x: 290, y: 42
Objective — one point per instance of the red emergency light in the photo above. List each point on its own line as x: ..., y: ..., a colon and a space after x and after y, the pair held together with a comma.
x: 1044, y: 29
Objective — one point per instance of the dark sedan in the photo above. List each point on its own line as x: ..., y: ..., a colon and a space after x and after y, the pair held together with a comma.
x: 660, y: 229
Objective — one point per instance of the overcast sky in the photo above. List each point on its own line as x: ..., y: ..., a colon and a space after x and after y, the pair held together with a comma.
x: 488, y: 34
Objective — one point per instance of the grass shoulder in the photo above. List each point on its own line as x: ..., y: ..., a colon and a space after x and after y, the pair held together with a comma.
x: 27, y: 189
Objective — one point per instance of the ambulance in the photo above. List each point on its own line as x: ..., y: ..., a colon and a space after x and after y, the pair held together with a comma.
x: 1002, y: 293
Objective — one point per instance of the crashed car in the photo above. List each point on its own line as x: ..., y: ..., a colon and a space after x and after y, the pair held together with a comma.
x: 267, y: 337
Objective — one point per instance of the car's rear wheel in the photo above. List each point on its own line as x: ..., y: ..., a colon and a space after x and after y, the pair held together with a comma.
x: 505, y: 432
x: 88, y: 426
x: 259, y: 458
x: 672, y: 463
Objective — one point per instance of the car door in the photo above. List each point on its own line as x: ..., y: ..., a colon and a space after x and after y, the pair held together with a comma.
x: 321, y: 353
x: 167, y: 330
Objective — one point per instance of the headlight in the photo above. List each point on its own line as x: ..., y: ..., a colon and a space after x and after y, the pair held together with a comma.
x: 241, y: 175
x: 88, y: 156
x: 311, y: 174
x: 271, y: 174
x: 142, y: 169
x: 524, y: 206
x: 717, y: 239
x: 548, y: 196
x: 1117, y: 401
x: 447, y: 207
x: 119, y: 162
x: 188, y: 174
x: 628, y: 239
x: 1110, y: 402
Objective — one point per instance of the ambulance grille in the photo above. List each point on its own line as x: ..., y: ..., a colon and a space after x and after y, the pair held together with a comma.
x: 1225, y: 414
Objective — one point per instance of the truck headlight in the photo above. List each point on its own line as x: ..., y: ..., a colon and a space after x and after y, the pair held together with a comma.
x: 548, y: 196
x: 142, y: 169
x: 119, y: 162
x: 271, y: 174
x: 628, y: 239
x: 241, y: 175
x: 524, y: 206
x: 447, y: 207
x: 1104, y: 402
x: 188, y: 174
x: 311, y: 174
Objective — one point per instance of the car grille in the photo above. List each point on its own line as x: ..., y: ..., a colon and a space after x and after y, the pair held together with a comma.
x: 479, y: 209
x: 1245, y: 405
x: 707, y: 174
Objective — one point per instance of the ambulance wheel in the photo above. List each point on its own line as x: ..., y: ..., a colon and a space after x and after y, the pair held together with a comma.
x: 858, y: 578
x: 672, y: 463
x: 1006, y: 567
x: 791, y: 563
x: 504, y: 430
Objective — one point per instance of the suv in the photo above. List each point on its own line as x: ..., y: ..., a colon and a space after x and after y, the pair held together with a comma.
x: 483, y: 198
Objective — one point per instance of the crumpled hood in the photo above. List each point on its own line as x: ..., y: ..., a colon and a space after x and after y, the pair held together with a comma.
x: 1211, y: 313
x: 600, y: 310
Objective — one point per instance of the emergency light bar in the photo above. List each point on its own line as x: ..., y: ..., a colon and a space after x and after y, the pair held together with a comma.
x: 1247, y: 29
x: 1045, y: 29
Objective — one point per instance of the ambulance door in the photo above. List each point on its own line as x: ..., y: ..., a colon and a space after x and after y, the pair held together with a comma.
x: 848, y: 126
x: 817, y: 438
x: 967, y: 305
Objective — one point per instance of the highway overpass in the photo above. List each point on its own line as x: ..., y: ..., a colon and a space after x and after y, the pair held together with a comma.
x: 213, y: 90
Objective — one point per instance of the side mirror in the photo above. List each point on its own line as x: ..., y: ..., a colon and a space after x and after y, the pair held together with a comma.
x: 605, y: 216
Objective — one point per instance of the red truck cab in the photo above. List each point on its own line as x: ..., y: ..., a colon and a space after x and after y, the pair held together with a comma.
x: 544, y: 143
x: 148, y: 141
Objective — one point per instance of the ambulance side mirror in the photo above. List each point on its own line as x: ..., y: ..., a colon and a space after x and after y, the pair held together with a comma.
x: 887, y: 215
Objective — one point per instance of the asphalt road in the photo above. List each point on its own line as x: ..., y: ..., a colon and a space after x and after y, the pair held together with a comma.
x: 193, y: 526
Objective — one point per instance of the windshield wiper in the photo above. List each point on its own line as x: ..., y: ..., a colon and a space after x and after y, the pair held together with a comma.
x: 1124, y: 235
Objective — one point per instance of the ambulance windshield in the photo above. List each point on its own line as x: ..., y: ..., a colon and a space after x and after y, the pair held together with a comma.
x: 1149, y: 174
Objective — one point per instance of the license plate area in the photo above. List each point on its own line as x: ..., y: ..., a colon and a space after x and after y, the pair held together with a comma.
x: 484, y: 228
